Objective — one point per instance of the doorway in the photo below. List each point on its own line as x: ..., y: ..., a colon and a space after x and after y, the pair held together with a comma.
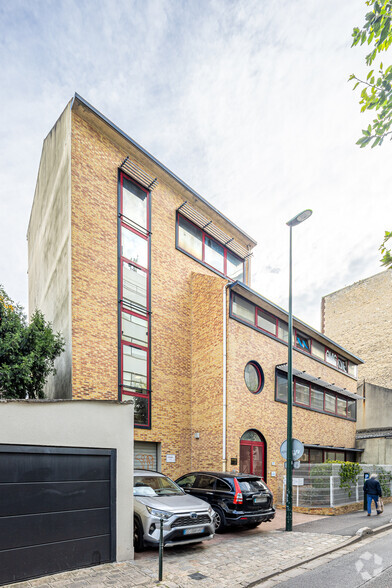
x: 252, y: 453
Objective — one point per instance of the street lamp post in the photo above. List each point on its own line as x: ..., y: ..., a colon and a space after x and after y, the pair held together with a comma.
x: 299, y: 218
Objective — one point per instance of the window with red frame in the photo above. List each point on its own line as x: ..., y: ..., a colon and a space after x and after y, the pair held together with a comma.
x: 134, y: 249
x: 201, y: 246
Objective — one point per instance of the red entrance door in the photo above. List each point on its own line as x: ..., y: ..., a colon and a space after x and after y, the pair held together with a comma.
x: 252, y: 458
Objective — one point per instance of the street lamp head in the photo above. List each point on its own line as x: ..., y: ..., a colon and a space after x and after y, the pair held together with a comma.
x: 300, y: 218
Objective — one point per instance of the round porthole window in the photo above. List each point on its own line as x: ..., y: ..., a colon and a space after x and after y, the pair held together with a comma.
x: 254, y: 377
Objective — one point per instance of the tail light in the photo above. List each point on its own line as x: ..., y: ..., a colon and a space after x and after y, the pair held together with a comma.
x: 238, y: 494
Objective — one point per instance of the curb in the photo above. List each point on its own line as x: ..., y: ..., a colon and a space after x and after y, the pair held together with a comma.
x: 366, y: 533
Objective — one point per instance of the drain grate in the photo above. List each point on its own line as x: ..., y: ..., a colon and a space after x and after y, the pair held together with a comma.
x: 197, y: 576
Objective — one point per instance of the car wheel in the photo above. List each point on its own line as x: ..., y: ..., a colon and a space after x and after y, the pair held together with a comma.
x: 138, y: 542
x: 219, y: 520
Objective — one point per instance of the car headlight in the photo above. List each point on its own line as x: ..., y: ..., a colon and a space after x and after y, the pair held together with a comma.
x: 160, y: 514
x: 211, y: 511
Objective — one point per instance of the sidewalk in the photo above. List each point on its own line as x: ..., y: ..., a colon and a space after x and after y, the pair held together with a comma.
x: 232, y: 559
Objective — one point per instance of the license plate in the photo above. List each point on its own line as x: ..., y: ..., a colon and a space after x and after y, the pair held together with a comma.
x: 193, y: 531
x: 260, y: 500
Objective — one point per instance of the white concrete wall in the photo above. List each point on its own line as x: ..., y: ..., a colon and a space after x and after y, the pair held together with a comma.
x: 375, y: 411
x: 49, y: 246
x: 80, y: 423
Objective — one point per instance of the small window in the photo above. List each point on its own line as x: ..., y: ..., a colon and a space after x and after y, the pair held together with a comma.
x: 205, y: 482
x: 134, y: 204
x: 134, y: 247
x: 134, y: 329
x: 134, y: 287
x: 281, y: 387
x: 330, y: 402
x: 254, y: 377
x: 341, y: 407
x: 339, y: 455
x: 134, y: 367
x: 343, y: 364
x: 352, y: 369
x: 317, y: 399
x: 190, y: 238
x: 214, y: 254
x: 244, y: 309
x: 316, y: 456
x: 266, y: 321
x: 318, y: 350
x: 331, y: 357
x: 302, y: 341
x: 302, y: 393
x: 235, y: 267
x: 283, y: 331
x: 351, y: 409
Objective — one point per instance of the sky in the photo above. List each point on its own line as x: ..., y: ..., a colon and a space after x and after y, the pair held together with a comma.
x: 246, y: 101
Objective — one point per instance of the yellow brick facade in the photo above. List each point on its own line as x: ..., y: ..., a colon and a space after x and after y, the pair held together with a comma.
x: 360, y: 318
x: 187, y: 325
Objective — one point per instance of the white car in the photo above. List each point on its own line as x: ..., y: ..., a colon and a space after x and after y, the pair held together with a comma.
x: 186, y: 519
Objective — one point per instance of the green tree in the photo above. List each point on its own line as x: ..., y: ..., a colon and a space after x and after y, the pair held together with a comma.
x: 376, y: 91
x: 386, y: 259
x: 27, y: 351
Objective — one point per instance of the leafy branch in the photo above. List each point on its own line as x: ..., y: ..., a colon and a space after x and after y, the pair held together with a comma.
x: 376, y: 92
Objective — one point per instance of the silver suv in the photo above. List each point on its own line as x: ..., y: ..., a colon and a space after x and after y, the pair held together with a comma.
x: 186, y: 519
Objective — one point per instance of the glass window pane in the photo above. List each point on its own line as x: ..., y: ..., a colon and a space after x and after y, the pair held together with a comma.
x: 134, y: 329
x: 341, y: 407
x: 140, y: 410
x: 317, y: 399
x: 343, y: 364
x: 252, y: 377
x: 134, y: 247
x: 339, y: 455
x: 134, y: 203
x: 316, y: 456
x: 251, y: 436
x: 352, y: 369
x: 302, y: 393
x: 134, y: 287
x: 318, y: 349
x: 330, y: 402
x: 244, y: 309
x: 214, y: 254
x: 331, y: 357
x: 330, y: 455
x: 134, y: 368
x: 302, y: 341
x: 283, y: 331
x: 266, y: 321
x: 235, y: 267
x: 351, y: 406
x: 190, y: 238
x: 281, y: 387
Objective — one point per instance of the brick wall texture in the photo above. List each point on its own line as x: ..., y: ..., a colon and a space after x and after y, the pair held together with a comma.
x: 360, y: 318
x: 186, y: 329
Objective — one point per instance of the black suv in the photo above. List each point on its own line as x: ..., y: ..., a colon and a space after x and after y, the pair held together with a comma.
x: 237, y: 499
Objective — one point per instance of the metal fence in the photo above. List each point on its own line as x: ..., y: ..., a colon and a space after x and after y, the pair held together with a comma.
x: 319, y: 485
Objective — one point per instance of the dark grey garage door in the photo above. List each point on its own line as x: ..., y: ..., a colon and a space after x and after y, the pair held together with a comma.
x: 57, y: 509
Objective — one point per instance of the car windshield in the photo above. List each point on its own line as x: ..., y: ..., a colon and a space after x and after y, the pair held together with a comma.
x: 252, y: 485
x: 155, y: 486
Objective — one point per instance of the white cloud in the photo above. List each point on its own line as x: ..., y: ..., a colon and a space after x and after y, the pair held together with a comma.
x: 247, y: 101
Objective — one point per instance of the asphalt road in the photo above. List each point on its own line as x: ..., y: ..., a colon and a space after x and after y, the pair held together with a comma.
x: 347, y: 524
x: 370, y: 565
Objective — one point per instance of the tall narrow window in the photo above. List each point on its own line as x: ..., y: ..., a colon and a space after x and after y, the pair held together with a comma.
x: 135, y: 316
x: 214, y: 254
